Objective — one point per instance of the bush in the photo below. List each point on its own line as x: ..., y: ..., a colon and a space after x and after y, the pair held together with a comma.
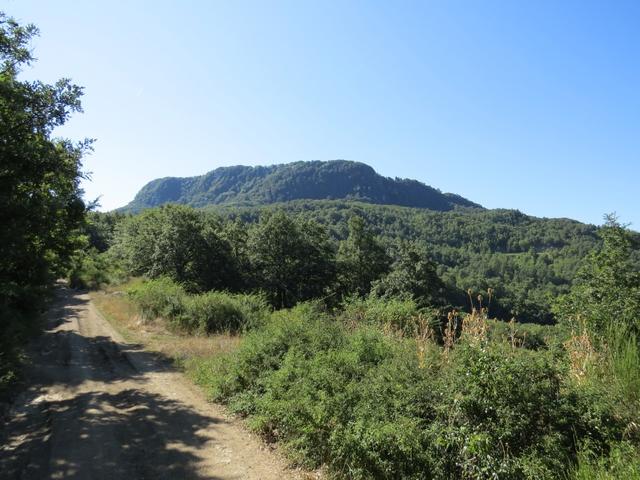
x: 526, y: 335
x: 200, y: 313
x: 395, y: 314
x: 507, y: 413
x: 624, y: 365
x: 236, y: 377
x: 161, y: 298
x: 89, y: 270
x: 623, y: 461
x: 308, y: 399
x: 220, y: 311
x: 369, y: 406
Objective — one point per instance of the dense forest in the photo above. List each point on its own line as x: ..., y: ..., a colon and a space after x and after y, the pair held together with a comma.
x: 386, y: 330
x: 526, y: 261
x: 337, y: 179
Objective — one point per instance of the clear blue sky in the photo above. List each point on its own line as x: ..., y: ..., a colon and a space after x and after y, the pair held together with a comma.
x: 529, y: 105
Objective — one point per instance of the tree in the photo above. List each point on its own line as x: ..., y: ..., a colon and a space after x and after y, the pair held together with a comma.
x: 412, y: 274
x: 178, y: 242
x: 41, y: 206
x: 237, y: 235
x: 100, y: 229
x: 606, y: 292
x: 361, y: 259
x: 292, y: 260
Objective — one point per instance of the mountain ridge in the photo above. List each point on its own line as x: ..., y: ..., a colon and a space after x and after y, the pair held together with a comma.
x: 312, y: 180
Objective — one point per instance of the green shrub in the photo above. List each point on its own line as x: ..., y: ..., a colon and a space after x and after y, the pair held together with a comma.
x: 492, y: 412
x: 236, y: 377
x: 368, y: 406
x: 624, y: 360
x: 506, y: 415
x: 89, y: 270
x: 198, y: 313
x: 526, y: 335
x: 221, y: 311
x: 309, y: 398
x: 622, y: 462
x: 160, y: 298
x: 397, y: 314
x: 382, y: 432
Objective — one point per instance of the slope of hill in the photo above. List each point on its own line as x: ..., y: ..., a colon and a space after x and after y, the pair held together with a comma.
x: 316, y: 180
x: 526, y: 260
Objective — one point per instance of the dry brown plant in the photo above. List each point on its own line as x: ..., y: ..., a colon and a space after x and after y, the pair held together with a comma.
x: 449, y: 337
x: 424, y: 335
x: 582, y: 354
x: 475, y: 326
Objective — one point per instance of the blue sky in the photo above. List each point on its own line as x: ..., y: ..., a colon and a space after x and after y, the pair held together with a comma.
x: 527, y: 105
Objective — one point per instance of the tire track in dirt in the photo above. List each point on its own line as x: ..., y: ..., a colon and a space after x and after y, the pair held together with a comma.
x: 96, y: 407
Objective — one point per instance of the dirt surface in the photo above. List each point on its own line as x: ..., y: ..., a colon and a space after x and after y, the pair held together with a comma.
x: 98, y: 408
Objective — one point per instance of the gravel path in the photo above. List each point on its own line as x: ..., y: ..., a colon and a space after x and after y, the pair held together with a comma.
x: 98, y: 408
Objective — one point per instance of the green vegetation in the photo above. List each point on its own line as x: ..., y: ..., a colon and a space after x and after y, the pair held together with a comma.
x: 435, y: 256
x: 622, y: 462
x: 291, y: 260
x: 202, y: 313
x: 382, y: 386
x: 281, y: 183
x: 366, y: 344
x: 609, y: 282
x: 370, y: 405
x: 41, y: 209
x: 527, y: 261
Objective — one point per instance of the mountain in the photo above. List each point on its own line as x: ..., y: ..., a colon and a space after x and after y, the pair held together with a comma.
x: 316, y: 180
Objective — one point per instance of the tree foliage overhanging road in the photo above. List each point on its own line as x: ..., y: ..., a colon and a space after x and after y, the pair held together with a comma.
x: 41, y: 206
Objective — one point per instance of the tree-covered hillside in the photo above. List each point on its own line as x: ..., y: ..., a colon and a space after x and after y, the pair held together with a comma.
x: 526, y: 260
x: 338, y: 179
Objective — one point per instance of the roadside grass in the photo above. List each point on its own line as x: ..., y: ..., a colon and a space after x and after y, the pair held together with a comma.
x: 186, y: 351
x: 380, y: 390
x: 191, y: 354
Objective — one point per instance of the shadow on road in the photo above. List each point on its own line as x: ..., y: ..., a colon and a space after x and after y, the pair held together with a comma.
x: 131, y: 434
x: 86, y: 414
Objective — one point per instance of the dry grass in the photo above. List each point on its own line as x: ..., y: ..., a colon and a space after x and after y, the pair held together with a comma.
x: 582, y: 354
x: 449, y: 336
x: 424, y: 337
x: 475, y: 327
x: 122, y: 314
x: 472, y: 328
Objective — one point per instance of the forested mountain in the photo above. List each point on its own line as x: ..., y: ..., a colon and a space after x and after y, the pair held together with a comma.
x: 527, y: 261
x: 337, y: 179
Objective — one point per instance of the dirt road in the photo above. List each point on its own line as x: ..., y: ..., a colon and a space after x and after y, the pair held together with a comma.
x: 98, y: 408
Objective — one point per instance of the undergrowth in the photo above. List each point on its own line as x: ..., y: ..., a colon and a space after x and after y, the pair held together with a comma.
x: 342, y: 393
x: 202, y: 313
x: 384, y: 389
